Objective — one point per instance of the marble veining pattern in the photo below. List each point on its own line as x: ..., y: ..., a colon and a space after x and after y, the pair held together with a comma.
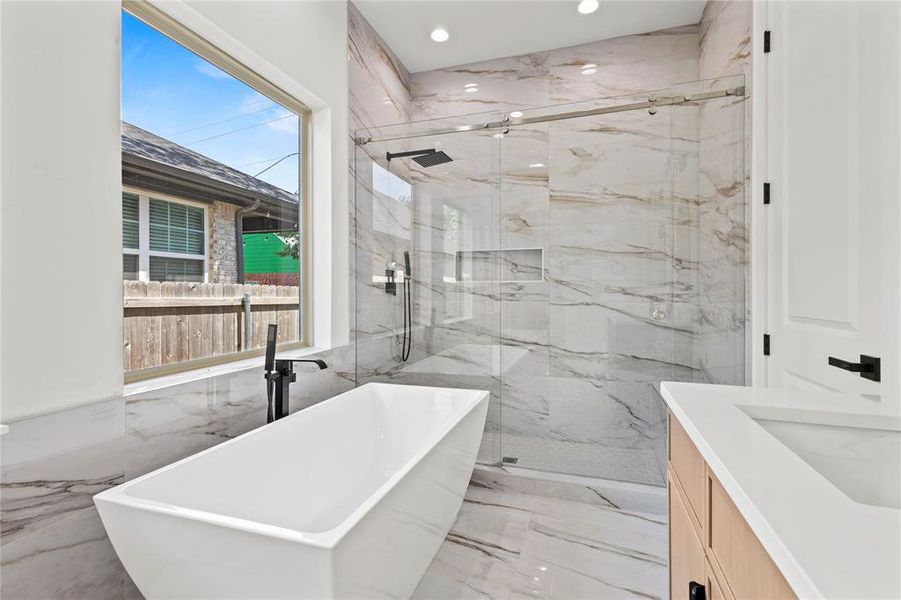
x: 53, y: 464
x: 518, y: 537
x: 596, y: 195
x: 724, y: 151
x: 640, y: 224
x: 53, y: 545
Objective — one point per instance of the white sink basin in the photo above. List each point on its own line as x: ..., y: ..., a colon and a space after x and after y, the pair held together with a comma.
x: 859, y: 454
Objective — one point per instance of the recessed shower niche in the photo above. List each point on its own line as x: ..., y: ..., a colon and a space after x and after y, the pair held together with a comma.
x: 515, y: 264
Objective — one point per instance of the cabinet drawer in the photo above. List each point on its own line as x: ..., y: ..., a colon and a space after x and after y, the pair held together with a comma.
x: 687, y: 560
x: 745, y: 565
x: 715, y: 591
x: 690, y: 471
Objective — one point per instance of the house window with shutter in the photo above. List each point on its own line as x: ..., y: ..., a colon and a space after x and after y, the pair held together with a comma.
x: 163, y: 239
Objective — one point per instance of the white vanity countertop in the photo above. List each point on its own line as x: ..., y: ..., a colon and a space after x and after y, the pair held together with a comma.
x: 826, y: 544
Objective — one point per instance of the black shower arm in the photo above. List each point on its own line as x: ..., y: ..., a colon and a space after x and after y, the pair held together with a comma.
x: 390, y: 155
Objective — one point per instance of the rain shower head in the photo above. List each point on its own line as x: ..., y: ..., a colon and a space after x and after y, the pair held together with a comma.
x: 424, y: 158
x: 432, y: 159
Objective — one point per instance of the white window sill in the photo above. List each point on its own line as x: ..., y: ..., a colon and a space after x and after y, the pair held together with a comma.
x: 256, y: 362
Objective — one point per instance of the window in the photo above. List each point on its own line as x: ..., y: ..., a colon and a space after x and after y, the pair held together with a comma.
x: 213, y: 208
x: 167, y: 244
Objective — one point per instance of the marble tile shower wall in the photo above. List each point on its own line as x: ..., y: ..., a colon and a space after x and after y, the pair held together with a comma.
x: 52, y: 543
x: 381, y: 205
x: 611, y: 317
x: 724, y: 174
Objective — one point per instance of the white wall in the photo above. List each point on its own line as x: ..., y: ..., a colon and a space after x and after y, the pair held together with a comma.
x: 60, y: 242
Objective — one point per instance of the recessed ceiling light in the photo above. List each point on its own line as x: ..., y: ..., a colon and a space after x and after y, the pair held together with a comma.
x: 586, y: 7
x: 516, y: 114
x: 439, y: 34
x: 469, y: 85
x: 471, y: 90
x: 589, y: 70
x: 536, y: 165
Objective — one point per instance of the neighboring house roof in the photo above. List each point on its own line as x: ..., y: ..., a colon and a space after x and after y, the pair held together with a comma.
x: 145, y: 148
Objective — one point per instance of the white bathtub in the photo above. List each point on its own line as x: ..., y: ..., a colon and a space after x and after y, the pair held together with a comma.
x: 350, y: 498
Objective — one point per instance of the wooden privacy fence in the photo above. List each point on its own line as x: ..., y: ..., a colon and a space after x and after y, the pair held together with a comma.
x: 170, y: 322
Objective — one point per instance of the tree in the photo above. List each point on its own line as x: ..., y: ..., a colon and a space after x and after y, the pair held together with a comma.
x: 292, y: 244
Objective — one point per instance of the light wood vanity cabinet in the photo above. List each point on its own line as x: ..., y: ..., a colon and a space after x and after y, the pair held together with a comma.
x: 711, y: 546
x: 687, y: 560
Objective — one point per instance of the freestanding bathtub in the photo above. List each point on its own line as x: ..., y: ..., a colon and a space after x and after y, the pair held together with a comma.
x: 350, y: 498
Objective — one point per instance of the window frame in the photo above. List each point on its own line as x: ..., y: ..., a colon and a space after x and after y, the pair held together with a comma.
x: 187, y: 38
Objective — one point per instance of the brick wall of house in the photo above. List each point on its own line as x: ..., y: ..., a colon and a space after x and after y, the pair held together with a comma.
x: 223, y: 249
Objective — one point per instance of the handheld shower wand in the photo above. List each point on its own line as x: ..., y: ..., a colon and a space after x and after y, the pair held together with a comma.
x: 407, y: 342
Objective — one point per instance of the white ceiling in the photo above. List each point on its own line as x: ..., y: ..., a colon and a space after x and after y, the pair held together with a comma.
x: 486, y: 29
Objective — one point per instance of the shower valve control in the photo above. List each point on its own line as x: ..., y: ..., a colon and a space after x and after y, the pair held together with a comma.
x: 391, y: 279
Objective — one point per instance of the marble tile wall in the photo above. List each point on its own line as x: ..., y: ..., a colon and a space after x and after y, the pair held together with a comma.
x: 633, y: 246
x: 381, y: 202
x: 724, y: 217
x: 612, y: 315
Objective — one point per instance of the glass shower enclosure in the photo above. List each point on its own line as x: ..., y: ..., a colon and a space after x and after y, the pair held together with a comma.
x: 567, y: 260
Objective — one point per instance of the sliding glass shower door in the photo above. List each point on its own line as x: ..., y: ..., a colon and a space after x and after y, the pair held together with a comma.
x: 439, y: 203
x: 592, y: 198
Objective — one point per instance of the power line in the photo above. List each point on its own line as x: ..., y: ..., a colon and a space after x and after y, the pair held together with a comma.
x: 246, y: 106
x: 256, y: 112
x: 259, y: 162
x: 276, y: 162
x: 213, y: 137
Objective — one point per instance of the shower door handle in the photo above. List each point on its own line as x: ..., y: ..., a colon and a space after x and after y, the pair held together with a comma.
x: 869, y: 367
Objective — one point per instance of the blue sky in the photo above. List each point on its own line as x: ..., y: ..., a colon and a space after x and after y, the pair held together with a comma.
x: 175, y: 94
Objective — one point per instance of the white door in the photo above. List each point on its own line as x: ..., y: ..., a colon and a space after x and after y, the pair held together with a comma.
x: 833, y: 162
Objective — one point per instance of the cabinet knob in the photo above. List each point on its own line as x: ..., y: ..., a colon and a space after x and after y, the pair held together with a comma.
x: 696, y: 591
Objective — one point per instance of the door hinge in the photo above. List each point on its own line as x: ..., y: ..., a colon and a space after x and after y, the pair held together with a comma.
x: 766, y: 192
x: 766, y: 41
x: 766, y: 344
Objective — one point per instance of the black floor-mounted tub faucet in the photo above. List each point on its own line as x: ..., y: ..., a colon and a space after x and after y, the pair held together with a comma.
x: 280, y: 375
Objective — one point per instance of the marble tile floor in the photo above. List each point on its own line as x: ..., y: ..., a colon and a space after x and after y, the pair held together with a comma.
x: 510, y: 544
x: 589, y: 459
